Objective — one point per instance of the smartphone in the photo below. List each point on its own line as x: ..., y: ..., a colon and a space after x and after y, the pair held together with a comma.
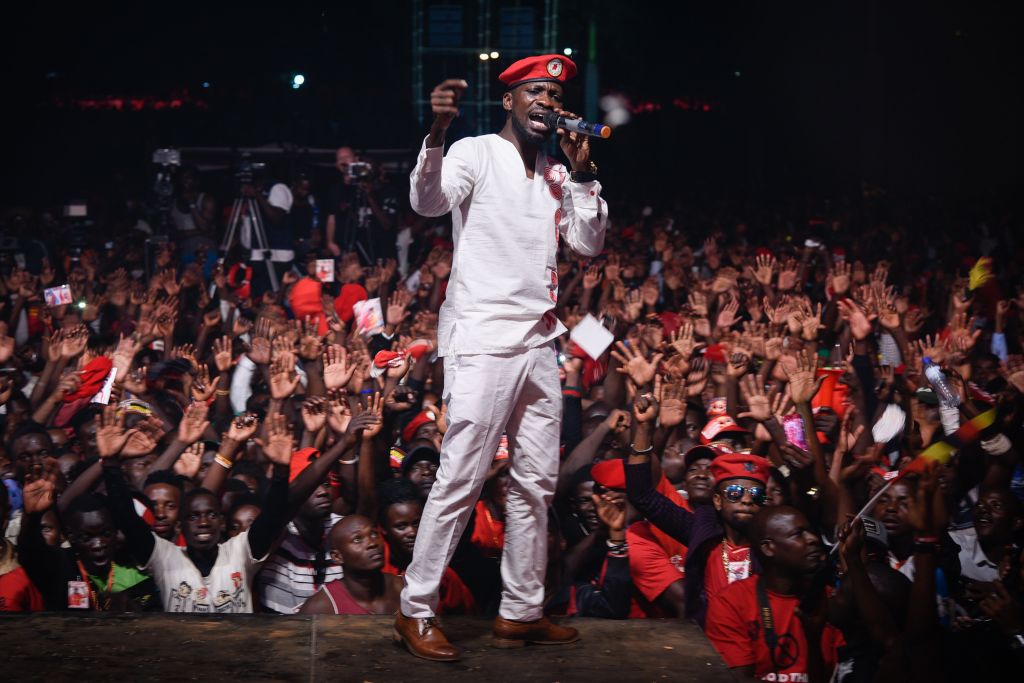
x: 57, y: 296
x: 794, y: 427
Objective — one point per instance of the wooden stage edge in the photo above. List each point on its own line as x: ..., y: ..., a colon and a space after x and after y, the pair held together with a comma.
x: 166, y: 647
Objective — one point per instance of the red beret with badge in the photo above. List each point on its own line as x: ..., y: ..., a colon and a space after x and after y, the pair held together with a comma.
x: 540, y: 68
x: 740, y: 466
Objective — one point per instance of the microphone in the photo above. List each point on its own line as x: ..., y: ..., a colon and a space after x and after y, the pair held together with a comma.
x: 577, y: 125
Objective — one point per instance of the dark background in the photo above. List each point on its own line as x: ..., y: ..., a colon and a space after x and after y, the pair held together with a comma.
x: 909, y: 97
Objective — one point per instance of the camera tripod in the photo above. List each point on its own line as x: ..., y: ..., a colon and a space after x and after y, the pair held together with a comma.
x: 259, y: 235
x: 357, y: 228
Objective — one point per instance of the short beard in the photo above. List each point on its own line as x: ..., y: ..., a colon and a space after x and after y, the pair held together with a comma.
x: 526, y: 135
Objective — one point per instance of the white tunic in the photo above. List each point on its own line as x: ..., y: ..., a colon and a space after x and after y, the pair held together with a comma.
x: 506, y: 227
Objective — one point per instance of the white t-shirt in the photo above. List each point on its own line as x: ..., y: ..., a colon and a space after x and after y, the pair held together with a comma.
x: 226, y: 590
x: 503, y: 287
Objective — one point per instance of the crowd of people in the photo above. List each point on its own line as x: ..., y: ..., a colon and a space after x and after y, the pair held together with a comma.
x: 180, y: 436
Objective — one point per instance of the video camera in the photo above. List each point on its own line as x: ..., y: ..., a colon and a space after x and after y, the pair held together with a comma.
x: 359, y: 170
x: 246, y: 169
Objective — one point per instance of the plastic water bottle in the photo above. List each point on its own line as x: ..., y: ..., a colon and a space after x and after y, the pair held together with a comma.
x: 947, y: 397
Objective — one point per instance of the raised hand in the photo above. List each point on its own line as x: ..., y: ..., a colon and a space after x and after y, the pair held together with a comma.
x: 444, y: 100
x: 283, y: 378
x: 260, y: 350
x: 202, y: 388
x: 68, y: 384
x: 591, y: 277
x: 788, y: 275
x: 397, y: 310
x: 810, y: 324
x: 337, y: 371
x: 839, y: 278
x: 222, y: 355
x: 74, y: 341
x: 764, y: 268
x: 672, y: 399
x: 338, y: 413
x: 110, y: 432
x: 193, y: 423
x: 633, y: 364
x: 280, y: 443
x: 698, y: 304
x: 375, y: 410
x: 243, y: 427
x: 759, y: 404
x: 802, y: 383
x: 611, y: 511
x: 727, y: 315
x: 123, y: 357
x: 314, y: 413
x: 856, y: 318
x: 189, y: 461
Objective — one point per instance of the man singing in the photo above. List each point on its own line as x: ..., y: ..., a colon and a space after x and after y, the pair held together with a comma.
x: 510, y: 205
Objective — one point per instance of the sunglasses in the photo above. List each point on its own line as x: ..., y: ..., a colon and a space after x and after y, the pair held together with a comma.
x: 734, y: 493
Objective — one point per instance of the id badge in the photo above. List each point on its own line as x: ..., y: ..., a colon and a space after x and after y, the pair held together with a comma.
x: 78, y: 595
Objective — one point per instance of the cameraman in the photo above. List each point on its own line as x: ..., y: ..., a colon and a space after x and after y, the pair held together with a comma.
x: 360, y: 211
x: 274, y: 203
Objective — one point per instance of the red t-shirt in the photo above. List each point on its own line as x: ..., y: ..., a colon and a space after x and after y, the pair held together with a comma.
x: 738, y: 559
x: 734, y: 627
x: 18, y: 594
x: 651, y: 567
x: 454, y: 597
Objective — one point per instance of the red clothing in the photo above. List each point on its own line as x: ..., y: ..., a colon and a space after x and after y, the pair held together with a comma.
x: 454, y: 597
x: 734, y: 628
x: 488, y: 533
x: 738, y: 559
x: 651, y: 566
x: 18, y: 593
x: 341, y: 599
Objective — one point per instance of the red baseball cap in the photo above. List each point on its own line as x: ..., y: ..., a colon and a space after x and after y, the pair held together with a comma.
x: 717, y: 426
x: 557, y: 68
x: 740, y: 466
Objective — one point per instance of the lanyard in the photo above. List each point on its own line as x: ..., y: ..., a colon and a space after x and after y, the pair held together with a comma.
x: 92, y: 591
x: 767, y: 621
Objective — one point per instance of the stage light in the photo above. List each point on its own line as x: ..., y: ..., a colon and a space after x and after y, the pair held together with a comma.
x: 567, y: 52
x: 737, y: 74
x: 206, y: 84
x: 484, y: 56
x: 494, y: 55
x: 297, y: 81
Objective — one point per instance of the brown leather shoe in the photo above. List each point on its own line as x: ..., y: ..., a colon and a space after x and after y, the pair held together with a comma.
x: 423, y: 638
x: 509, y: 634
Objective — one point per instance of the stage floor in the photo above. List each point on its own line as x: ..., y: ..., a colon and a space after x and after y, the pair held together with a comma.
x: 250, y: 648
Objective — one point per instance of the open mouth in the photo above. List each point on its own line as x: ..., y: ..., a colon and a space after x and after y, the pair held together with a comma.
x: 538, y: 122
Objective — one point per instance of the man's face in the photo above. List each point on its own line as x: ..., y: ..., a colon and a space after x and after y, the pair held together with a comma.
x: 527, y: 104
x: 242, y: 519
x: 357, y: 545
x: 29, y: 453
x: 343, y: 157
x: 166, y: 503
x: 91, y: 535
x: 994, y: 517
x: 423, y: 474
x: 50, y: 527
x: 673, y: 466
x: 318, y: 505
x: 737, y: 514
x: 985, y: 370
x: 401, y: 522
x: 583, y: 505
x: 698, y: 482
x: 792, y: 544
x: 136, y: 469
x: 892, y: 509
x: 203, y: 522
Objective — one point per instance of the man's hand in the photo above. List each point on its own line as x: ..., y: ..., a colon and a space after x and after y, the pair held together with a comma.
x: 283, y: 378
x: 280, y: 443
x: 611, y: 510
x: 259, y: 352
x: 759, y: 404
x: 222, y: 355
x: 443, y: 103
x: 314, y: 413
x: 110, y: 432
x: 189, y: 461
x: 802, y: 383
x: 193, y: 423
x: 243, y: 427
x: 575, y: 146
x: 632, y: 363
x: 337, y: 371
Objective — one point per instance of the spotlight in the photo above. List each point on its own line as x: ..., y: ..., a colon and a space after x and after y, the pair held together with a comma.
x: 297, y: 81
x: 494, y: 54
x: 567, y: 52
x: 484, y: 56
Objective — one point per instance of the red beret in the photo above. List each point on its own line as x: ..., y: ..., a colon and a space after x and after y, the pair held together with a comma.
x: 719, y: 425
x: 350, y: 294
x: 740, y: 466
x: 409, y: 431
x: 305, y: 299
x: 540, y: 68
x: 610, y: 474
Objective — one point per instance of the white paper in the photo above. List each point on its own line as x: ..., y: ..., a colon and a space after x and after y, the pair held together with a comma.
x: 591, y: 336
x: 103, y: 395
x: 325, y: 269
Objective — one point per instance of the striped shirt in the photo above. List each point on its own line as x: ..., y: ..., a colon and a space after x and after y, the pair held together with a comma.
x: 295, y: 571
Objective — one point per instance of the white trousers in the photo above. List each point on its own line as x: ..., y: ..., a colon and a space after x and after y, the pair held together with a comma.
x: 519, y: 393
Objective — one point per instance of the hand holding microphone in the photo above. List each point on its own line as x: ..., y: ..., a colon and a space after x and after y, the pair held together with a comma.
x: 575, y: 137
x: 571, y: 123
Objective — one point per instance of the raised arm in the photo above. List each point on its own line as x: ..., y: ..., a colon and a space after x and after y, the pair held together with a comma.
x: 439, y: 183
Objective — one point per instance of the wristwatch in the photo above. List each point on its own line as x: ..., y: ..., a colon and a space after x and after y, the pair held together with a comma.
x: 585, y: 176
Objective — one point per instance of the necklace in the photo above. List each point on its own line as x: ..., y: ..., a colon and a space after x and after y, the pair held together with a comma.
x: 725, y: 564
x: 92, y: 591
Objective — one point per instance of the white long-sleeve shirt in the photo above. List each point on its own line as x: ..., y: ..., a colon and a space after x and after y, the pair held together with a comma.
x: 506, y: 227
